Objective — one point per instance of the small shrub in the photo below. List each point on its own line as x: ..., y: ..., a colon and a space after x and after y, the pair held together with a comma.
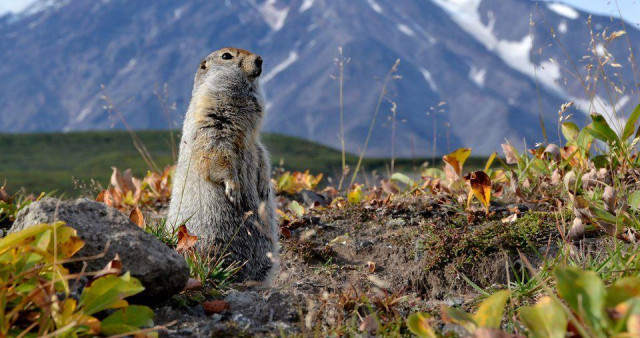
x: 36, y: 298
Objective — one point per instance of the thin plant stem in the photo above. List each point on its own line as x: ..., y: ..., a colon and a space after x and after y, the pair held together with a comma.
x: 162, y: 99
x: 383, y: 91
x: 341, y: 62
x: 394, y: 113
x: 137, y: 143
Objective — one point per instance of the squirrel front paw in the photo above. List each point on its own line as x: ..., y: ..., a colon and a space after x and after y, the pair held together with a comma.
x: 264, y: 189
x: 231, y: 190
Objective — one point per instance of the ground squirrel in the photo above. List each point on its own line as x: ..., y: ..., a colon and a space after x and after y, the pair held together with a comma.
x: 222, y: 188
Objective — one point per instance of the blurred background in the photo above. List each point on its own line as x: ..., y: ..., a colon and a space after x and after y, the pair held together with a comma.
x: 471, y: 73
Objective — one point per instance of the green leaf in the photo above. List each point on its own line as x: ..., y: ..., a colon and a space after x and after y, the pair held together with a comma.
x: 570, y: 131
x: 540, y: 166
x: 601, y: 161
x: 418, y: 324
x: 296, y: 208
x: 127, y: 320
x: 629, y: 127
x: 108, y: 292
x: 402, y: 178
x: 584, y: 140
x: 622, y: 290
x: 435, y: 173
x: 634, y: 200
x: 584, y: 292
x: 601, y: 130
x: 490, y: 311
x: 459, y: 317
x: 545, y: 319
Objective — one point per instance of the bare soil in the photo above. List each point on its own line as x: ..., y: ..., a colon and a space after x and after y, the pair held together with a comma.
x: 391, y: 258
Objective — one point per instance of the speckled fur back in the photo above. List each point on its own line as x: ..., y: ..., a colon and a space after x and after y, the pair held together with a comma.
x: 222, y: 186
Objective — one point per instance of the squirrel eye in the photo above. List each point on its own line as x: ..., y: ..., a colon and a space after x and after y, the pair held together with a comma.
x: 226, y: 56
x: 203, y: 64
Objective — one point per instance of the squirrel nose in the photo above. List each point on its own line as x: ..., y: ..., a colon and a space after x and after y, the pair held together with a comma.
x: 258, y: 63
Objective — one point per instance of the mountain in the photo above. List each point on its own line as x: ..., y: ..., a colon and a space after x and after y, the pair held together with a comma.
x: 474, y: 72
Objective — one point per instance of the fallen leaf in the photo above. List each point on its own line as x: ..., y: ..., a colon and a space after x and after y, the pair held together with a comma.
x: 185, y: 240
x: 4, y: 196
x: 556, y: 177
x: 296, y: 208
x: 450, y: 174
x: 577, y: 230
x: 342, y: 239
x: 609, y: 199
x: 552, y: 149
x: 389, y: 187
x: 371, y: 267
x: 193, y: 283
x: 105, y: 197
x: 369, y: 324
x: 137, y: 218
x: 114, y: 267
x: 215, y: 306
x: 509, y: 153
x: 510, y: 219
x: 286, y: 233
x: 457, y: 158
x: 480, y: 186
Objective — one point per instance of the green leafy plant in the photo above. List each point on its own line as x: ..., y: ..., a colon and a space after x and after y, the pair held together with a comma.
x: 10, y: 205
x: 584, y: 305
x: 36, y: 299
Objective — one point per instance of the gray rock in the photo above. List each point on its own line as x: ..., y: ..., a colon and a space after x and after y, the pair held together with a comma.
x: 161, y: 270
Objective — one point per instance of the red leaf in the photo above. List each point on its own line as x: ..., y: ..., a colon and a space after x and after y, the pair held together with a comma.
x: 185, y: 240
x: 136, y: 217
x: 193, y: 283
x: 215, y: 306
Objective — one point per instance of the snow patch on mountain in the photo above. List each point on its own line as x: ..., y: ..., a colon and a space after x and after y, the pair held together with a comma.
x: 477, y: 75
x: 293, y: 57
x: 129, y: 67
x: 429, y: 79
x: 43, y: 5
x: 406, y: 30
x: 516, y: 54
x: 374, y: 5
x: 306, y: 4
x: 564, y: 10
x: 562, y: 27
x: 274, y: 16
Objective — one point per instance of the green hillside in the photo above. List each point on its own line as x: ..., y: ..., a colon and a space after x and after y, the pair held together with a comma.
x: 67, y: 163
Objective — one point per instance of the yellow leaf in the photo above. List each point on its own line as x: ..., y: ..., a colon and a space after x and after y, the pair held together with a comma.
x: 490, y: 311
x: 480, y: 187
x: 355, y: 195
x: 296, y: 208
x: 457, y: 158
x: 490, y: 161
x: 419, y: 324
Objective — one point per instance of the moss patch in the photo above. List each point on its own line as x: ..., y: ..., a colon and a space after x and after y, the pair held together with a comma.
x: 453, y: 240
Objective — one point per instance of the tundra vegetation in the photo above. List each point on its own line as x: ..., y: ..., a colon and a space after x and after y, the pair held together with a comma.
x: 540, y: 242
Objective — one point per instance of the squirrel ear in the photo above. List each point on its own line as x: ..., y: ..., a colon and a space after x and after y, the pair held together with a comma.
x: 203, y: 64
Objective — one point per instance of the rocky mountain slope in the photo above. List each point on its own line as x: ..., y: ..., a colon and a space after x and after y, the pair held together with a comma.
x: 474, y: 72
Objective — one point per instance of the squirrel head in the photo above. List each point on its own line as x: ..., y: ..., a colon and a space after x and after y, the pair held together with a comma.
x: 249, y: 64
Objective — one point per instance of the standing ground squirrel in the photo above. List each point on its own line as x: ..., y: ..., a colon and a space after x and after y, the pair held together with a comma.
x: 221, y: 187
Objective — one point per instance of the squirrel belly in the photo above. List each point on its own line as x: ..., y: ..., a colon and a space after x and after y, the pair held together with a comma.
x: 221, y: 186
